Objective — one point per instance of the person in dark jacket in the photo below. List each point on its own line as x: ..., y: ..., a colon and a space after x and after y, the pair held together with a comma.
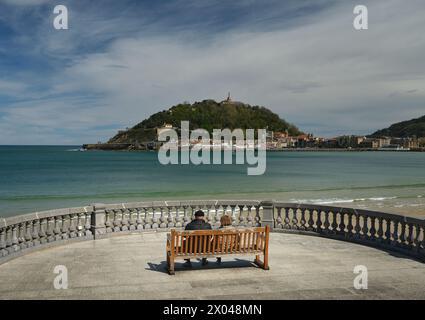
x: 198, y: 224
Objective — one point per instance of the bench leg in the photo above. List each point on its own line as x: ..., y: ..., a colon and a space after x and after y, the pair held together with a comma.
x: 170, y: 264
x: 262, y: 264
x: 266, y: 263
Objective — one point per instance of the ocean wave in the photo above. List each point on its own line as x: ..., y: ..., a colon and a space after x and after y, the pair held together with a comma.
x: 339, y: 200
x: 382, y: 198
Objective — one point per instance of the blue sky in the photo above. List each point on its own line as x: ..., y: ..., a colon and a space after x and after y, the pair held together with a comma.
x: 121, y: 61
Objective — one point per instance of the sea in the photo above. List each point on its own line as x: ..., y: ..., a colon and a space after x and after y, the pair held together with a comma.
x: 37, y: 178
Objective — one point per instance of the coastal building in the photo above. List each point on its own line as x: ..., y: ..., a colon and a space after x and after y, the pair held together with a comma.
x: 375, y: 143
x: 406, y: 143
x: 350, y: 141
x: 165, y: 127
x: 228, y: 100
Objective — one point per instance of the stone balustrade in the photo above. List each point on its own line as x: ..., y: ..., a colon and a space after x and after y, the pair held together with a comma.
x: 25, y: 233
x: 377, y: 229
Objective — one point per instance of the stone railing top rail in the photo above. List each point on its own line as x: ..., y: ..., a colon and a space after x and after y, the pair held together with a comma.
x: 176, y: 203
x: 4, y: 222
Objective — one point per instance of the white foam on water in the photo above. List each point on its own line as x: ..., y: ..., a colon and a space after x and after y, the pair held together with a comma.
x: 340, y: 200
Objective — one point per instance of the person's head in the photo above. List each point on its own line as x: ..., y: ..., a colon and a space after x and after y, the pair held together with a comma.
x: 225, y: 221
x: 199, y: 215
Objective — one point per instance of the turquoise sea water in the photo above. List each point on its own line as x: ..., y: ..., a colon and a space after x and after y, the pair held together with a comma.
x: 35, y: 178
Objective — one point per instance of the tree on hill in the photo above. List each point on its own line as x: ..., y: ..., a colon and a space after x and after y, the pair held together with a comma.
x: 209, y: 115
x: 410, y: 128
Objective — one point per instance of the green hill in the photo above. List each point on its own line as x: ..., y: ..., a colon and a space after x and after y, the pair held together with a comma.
x: 410, y: 128
x: 209, y: 115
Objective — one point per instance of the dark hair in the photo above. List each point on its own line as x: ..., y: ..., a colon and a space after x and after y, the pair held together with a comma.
x: 199, y: 213
x: 225, y: 221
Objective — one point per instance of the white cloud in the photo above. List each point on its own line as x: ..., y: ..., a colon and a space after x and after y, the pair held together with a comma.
x: 322, y: 75
x: 25, y: 2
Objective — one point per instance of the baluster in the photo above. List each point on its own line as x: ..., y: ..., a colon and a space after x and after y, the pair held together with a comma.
x: 395, y: 234
x: 9, y: 239
x: 21, y: 235
x: 28, y: 236
x: 179, y: 218
x: 171, y: 222
x: 131, y: 220
x: 294, y: 220
x: 87, y: 224
x: 57, y: 229
x: 410, y: 236
x: 242, y: 220
x: 416, y: 242
x: 403, y: 233
x: 350, y: 226
x: 42, y: 232
x: 257, y: 216
x: 380, y: 229
x: 342, y: 223
x: 124, y: 219
x: 334, y: 224
x: 148, y: 219
x: 302, y: 221
x: 279, y: 219
x: 163, y: 219
x: 249, y: 217
x: 66, y: 221
x: 319, y: 221
x: 310, y: 221
x: 140, y: 221
x: 117, y: 220
x: 15, y: 242
x: 186, y: 219
x: 49, y: 231
x: 155, y: 220
x: 3, y: 251
x: 287, y: 220
x: 72, y: 226
x: 108, y: 221
x: 357, y: 227
x: 388, y: 231
x: 80, y: 224
x: 233, y: 208
x: 35, y: 235
x: 372, y: 228
x: 326, y: 224
x: 365, y: 228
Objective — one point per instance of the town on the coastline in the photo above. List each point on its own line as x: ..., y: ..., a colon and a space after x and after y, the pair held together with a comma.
x: 146, y: 135
x: 283, y: 141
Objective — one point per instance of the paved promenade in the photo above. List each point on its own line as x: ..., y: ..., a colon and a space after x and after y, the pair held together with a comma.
x: 133, y: 267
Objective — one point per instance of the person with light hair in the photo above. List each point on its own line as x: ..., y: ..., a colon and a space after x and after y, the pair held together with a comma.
x: 225, y: 223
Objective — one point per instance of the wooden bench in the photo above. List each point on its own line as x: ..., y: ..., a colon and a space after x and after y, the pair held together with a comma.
x: 218, y: 243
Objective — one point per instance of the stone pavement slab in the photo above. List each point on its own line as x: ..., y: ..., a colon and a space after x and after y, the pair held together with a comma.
x: 133, y: 267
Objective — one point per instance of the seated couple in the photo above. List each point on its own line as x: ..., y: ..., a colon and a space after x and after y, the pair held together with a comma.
x: 200, y: 224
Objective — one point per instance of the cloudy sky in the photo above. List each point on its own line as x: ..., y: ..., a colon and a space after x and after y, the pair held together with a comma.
x: 121, y: 61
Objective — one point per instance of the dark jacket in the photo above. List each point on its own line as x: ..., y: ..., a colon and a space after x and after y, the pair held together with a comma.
x: 198, y: 225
